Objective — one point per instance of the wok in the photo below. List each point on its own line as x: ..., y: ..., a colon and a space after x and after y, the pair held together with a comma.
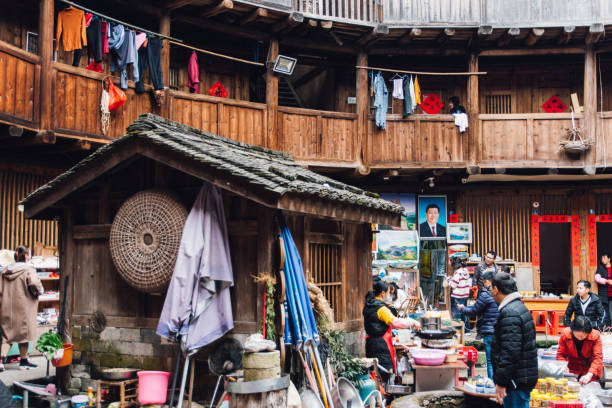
x: 438, y: 334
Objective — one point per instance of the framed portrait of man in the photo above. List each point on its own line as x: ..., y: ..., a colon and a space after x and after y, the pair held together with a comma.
x: 432, y: 217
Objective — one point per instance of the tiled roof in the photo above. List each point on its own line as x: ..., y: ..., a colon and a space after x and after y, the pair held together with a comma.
x: 261, y: 167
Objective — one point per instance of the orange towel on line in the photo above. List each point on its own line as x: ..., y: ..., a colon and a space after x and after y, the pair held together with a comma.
x: 71, y: 24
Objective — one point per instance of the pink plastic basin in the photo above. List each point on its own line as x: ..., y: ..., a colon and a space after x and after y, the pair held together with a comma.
x: 428, y: 357
x: 152, y: 387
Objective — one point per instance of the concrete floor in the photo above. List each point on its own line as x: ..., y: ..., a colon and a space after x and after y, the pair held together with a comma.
x: 12, y: 372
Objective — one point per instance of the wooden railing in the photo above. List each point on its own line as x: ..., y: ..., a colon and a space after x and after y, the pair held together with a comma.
x: 317, y: 136
x: 352, y: 11
x: 530, y: 139
x: 311, y: 136
x: 418, y: 141
x: 19, y: 84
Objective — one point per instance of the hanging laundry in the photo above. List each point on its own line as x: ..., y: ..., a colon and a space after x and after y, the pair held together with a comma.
x: 131, y: 59
x: 408, y: 109
x: 104, y: 112
x: 150, y: 55
x: 381, y: 101
x: 95, y: 66
x: 71, y: 26
x: 140, y: 39
x: 412, y: 94
x: 94, y: 39
x: 105, y: 31
x: 193, y: 73
x: 119, y: 47
x: 461, y: 121
x: 417, y: 91
x: 398, y: 88
x: 88, y: 18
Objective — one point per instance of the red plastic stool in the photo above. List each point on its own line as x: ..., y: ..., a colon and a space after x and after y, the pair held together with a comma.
x: 557, y: 323
x: 539, y: 319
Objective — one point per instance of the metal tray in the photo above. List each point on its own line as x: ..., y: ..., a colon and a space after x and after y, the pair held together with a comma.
x: 118, y: 374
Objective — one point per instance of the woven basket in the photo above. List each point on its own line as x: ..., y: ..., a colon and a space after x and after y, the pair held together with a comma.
x: 145, y: 238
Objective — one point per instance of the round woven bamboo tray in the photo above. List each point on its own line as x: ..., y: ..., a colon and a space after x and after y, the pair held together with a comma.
x: 145, y: 238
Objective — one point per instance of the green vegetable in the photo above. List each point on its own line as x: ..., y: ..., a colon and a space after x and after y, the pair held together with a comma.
x: 49, y: 344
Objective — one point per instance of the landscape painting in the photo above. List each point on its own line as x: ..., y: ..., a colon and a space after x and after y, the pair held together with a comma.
x: 399, y: 246
x: 408, y: 201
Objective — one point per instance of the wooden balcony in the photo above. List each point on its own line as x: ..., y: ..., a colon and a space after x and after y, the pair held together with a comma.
x: 313, y: 137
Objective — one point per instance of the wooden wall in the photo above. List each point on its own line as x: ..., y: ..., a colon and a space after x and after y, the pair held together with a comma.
x: 14, y: 228
x: 531, y: 86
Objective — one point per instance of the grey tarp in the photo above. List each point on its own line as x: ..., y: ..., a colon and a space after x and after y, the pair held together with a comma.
x: 198, y: 305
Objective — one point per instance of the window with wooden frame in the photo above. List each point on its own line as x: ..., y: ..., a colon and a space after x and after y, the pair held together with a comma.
x: 325, y: 246
x: 498, y: 103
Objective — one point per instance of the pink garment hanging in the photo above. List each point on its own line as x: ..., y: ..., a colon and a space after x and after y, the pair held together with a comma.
x: 140, y: 39
x: 104, y: 30
x: 193, y: 71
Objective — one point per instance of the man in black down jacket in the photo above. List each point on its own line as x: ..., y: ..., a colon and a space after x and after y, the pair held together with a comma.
x: 587, y: 304
x: 486, y: 310
x: 515, y: 359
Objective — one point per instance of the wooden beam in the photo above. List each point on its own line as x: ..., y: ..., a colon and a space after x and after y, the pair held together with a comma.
x: 37, y: 139
x: 595, y: 33
x: 326, y: 25
x: 253, y: 16
x: 336, y: 38
x: 508, y: 36
x: 565, y: 35
x: 217, y: 27
x: 532, y: 51
x: 288, y: 23
x: 590, y: 99
x: 221, y: 7
x: 363, y: 107
x: 164, y: 29
x: 272, y: 95
x: 92, y: 231
x: 175, y: 4
x: 374, y: 35
x: 45, y: 43
x: 410, y: 35
x: 485, y: 31
x: 471, y: 143
x: 534, y: 36
x: 445, y: 35
x: 310, y: 75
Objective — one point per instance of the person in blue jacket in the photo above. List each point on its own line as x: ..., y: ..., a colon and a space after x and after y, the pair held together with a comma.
x: 486, y: 310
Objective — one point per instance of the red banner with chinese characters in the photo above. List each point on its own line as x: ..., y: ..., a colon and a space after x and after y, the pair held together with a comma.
x: 453, y: 218
x: 592, y: 231
x: 535, y: 240
x: 605, y: 218
x: 554, y: 218
x: 575, y: 240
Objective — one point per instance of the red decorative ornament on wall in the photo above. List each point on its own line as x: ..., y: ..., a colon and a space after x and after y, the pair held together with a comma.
x: 218, y: 90
x: 432, y: 104
x: 554, y: 105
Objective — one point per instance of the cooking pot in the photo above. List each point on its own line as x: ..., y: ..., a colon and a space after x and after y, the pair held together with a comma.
x: 437, y: 334
x: 431, y: 323
x: 438, y: 343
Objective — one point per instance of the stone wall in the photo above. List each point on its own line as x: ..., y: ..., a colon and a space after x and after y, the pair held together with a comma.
x: 117, y: 347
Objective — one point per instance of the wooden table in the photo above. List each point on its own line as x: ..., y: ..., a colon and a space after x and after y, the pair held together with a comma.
x: 128, y: 392
x: 551, y: 305
x: 442, y: 377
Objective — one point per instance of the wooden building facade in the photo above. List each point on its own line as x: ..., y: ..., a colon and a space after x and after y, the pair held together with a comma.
x: 503, y: 70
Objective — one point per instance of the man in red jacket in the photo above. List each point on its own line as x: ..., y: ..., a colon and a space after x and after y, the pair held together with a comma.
x: 580, y: 346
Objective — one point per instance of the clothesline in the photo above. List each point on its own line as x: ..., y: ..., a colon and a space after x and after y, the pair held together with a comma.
x: 171, y: 40
x: 217, y: 54
x: 120, y: 22
x: 421, y: 73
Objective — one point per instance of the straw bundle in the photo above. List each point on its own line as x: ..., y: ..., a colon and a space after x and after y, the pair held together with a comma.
x: 323, y: 312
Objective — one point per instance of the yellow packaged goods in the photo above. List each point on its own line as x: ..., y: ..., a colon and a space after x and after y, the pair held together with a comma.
x: 542, y: 386
x: 573, y: 387
x: 558, y: 388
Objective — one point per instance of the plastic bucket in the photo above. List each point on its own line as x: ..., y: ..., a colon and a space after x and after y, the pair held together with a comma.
x: 152, y: 387
x: 79, y: 401
x: 66, y: 359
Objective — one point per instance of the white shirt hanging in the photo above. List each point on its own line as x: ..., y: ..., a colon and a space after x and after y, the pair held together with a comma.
x: 412, y: 94
x: 461, y: 120
x: 398, y: 88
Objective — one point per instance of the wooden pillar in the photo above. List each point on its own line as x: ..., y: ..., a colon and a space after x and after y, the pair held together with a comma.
x: 472, y: 141
x: 590, y: 100
x: 45, y: 29
x: 272, y: 95
x: 363, y: 105
x: 164, y: 29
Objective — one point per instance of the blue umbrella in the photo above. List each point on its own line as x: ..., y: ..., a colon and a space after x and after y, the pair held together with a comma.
x: 300, y: 323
